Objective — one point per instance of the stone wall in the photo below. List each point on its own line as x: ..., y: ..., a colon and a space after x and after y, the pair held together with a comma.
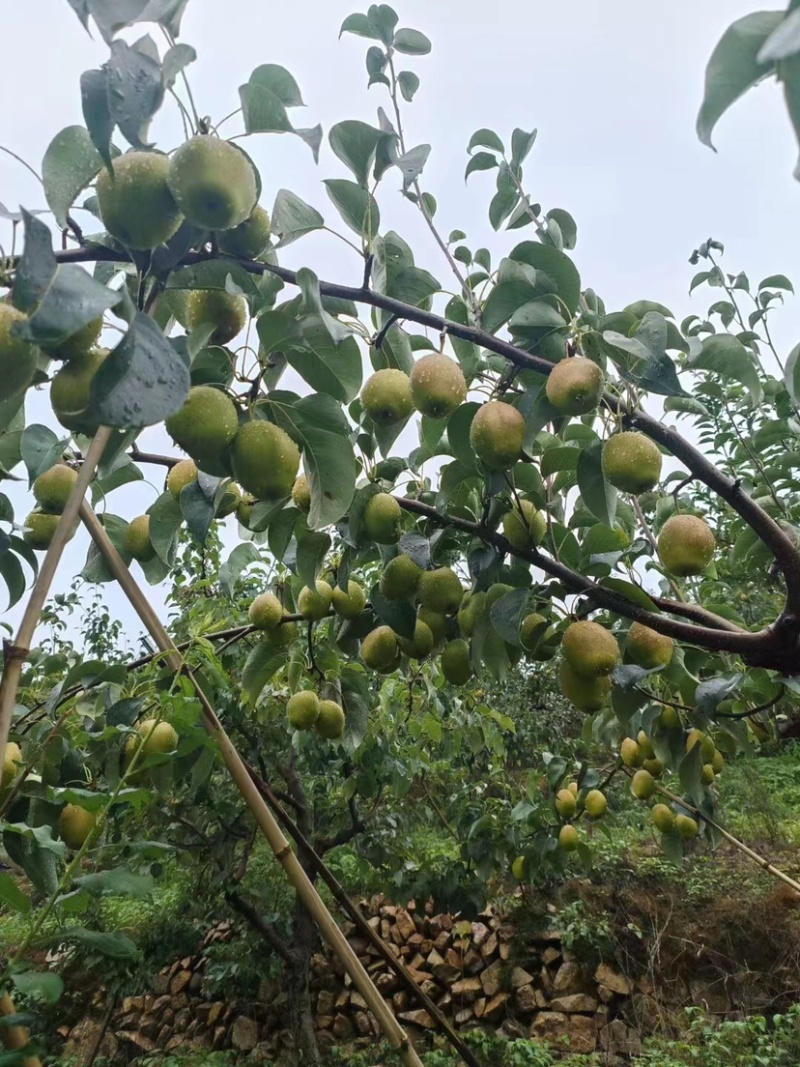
x: 480, y: 974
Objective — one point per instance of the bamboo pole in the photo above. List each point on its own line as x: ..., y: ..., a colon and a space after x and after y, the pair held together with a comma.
x: 14, y: 655
x: 354, y: 913
x: 15, y: 1037
x: 740, y: 845
x: 281, y: 848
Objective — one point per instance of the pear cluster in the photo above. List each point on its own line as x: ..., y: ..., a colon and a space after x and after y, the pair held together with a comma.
x: 51, y: 490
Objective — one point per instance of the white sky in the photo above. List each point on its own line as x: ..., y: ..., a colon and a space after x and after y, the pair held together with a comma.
x: 613, y: 88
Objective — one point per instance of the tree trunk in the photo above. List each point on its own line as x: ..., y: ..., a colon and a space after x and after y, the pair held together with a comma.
x: 298, y: 974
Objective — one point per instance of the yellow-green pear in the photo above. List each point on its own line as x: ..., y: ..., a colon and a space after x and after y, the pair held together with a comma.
x: 686, y: 545
x: 250, y: 238
x: 51, y: 489
x: 265, y: 460
x: 137, y: 539
x: 75, y: 824
x: 265, y: 612
x: 686, y: 826
x: 648, y: 648
x: 136, y: 204
x: 12, y: 757
x: 455, y: 662
x: 182, y: 474
x: 631, y: 462
x: 39, y: 529
x: 205, y: 427
x: 386, y: 397
x: 382, y: 519
x: 565, y: 803
x: 568, y: 838
x: 574, y: 386
x: 214, y: 183
x: 497, y: 434
x: 17, y: 357
x: 435, y: 621
x: 630, y: 753
x: 440, y: 590
x: 400, y: 578
x: 643, y: 784
x: 215, y: 307
x: 524, y: 526
x: 663, y: 818
x: 70, y: 391
x: 314, y: 604
x: 330, y: 721
x: 301, y: 494
x: 438, y: 385
x: 302, y: 710
x: 586, y: 693
x: 78, y: 343
x: 350, y: 604
x: 420, y: 645
x: 590, y: 649
x: 595, y: 805
x: 379, y: 649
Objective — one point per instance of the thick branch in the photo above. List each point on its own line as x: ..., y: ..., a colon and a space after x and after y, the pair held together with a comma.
x: 781, y: 545
x: 266, y: 930
x: 717, y: 639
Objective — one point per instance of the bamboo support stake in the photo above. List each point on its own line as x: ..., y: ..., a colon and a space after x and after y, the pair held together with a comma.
x: 392, y: 1030
x: 14, y: 655
x: 15, y: 1037
x: 740, y: 845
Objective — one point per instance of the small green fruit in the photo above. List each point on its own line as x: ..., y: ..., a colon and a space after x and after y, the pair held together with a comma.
x: 595, y: 804
x: 281, y: 636
x: 136, y: 205
x: 534, y: 631
x: 421, y: 645
x: 630, y: 753
x: 349, y: 605
x: 648, y: 648
x: 157, y: 737
x: 669, y: 719
x: 386, y: 397
x: 75, y: 824
x: 707, y: 746
x: 440, y: 590
x: 565, y: 803
x: 654, y: 766
x: 717, y: 762
x: 472, y: 607
x: 215, y: 307
x: 250, y: 238
x: 574, y: 386
x: 455, y: 662
x: 663, y: 818
x: 51, y: 489
x: 302, y: 710
x: 497, y: 434
x: 435, y: 621
x: 265, y: 612
x: 518, y: 869
x: 70, y: 392
x: 301, y: 494
x: 205, y: 427
x: 330, y: 722
x: 568, y: 839
x: 17, y: 357
x: 314, y: 604
x: 400, y: 578
x: 686, y: 826
x: 631, y: 462
x: 265, y: 460
x: 438, y: 386
x: 524, y: 526
x: 137, y: 539
x: 643, y: 785
x: 39, y: 529
x: 79, y: 343
x: 382, y: 519
x: 645, y: 745
x: 12, y: 757
x: 214, y: 183
x: 379, y: 649
x: 587, y: 694
x: 182, y: 474
x: 590, y: 649
x: 686, y: 545
x: 707, y: 774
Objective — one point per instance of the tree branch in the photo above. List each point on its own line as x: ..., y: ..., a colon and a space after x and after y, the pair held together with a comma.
x: 265, y: 929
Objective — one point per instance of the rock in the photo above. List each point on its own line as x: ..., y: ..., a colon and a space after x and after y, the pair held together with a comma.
x: 131, y: 1004
x: 467, y: 989
x: 325, y: 1003
x: 139, y: 1041
x: 495, y: 1007
x: 83, y: 1037
x: 617, y: 1039
x: 244, y: 1034
x: 386, y: 983
x: 160, y: 984
x: 569, y: 979
x: 325, y: 1042
x: 418, y: 1018
x: 214, y: 1012
x: 342, y: 1027
x: 196, y: 982
x: 463, y: 1016
x: 576, y: 1003
x: 613, y: 980
x: 479, y: 1007
x: 179, y: 982
x: 489, y: 948
x: 710, y: 996
x: 362, y: 1023
x: 480, y: 933
x: 605, y: 994
x: 554, y: 1026
x: 644, y: 1013
x: 404, y: 924
x: 182, y: 1020
x: 220, y: 1038
x: 525, y: 1000
x: 491, y: 978
x: 520, y: 977
x: 550, y: 955
x: 400, y: 1000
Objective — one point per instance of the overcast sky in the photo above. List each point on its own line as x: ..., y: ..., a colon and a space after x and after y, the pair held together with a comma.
x: 613, y: 87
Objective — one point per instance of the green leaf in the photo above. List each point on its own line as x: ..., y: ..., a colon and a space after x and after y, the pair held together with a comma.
x: 40, y: 984
x: 241, y: 557
x: 480, y: 161
x: 411, y: 43
x: 536, y: 315
x: 711, y: 693
x: 197, y: 508
x: 116, y: 946
x: 39, y: 449
x: 356, y: 702
x: 361, y: 26
x: 264, y: 105
x: 176, y: 60
x: 566, y: 224
x: 486, y: 139
x: 791, y: 376
x: 631, y: 592
x: 279, y: 81
x: 458, y: 427
x: 556, y: 265
x: 734, y: 67
x: 312, y: 547
x: 521, y: 144
x: 95, y: 569
x: 398, y: 614
x: 725, y: 355
x: 690, y: 772
x: 135, y: 91
x: 326, y: 366
x: 166, y: 519
x: 117, y: 882
x: 358, y: 208
x: 507, y: 613
x: 70, y: 163
x: 412, y: 163
x: 776, y: 281
x: 96, y: 112
x: 142, y: 381
x: 409, y: 83
x: 293, y: 218
x: 262, y: 663
x: 356, y: 143
x: 12, y: 896
x: 598, y: 495
x: 14, y: 577
x: 784, y: 41
x: 328, y: 459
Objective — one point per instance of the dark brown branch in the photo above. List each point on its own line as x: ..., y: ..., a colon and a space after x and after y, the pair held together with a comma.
x: 781, y: 545
x: 265, y: 929
x: 716, y: 639
x: 151, y: 457
x: 697, y: 614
